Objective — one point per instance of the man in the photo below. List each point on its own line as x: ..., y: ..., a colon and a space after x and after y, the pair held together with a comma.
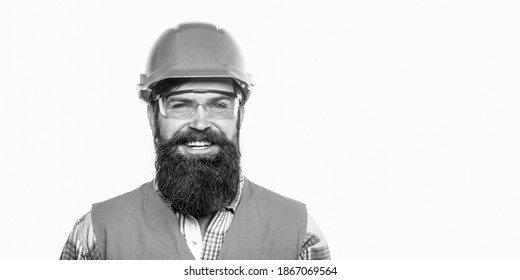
x: 199, y: 206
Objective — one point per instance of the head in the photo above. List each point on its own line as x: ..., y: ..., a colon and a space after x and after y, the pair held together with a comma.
x: 196, y: 134
x: 198, y: 155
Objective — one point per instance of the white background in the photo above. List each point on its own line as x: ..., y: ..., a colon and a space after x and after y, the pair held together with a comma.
x: 396, y: 122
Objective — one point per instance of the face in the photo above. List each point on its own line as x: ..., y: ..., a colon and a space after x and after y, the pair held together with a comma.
x: 167, y: 127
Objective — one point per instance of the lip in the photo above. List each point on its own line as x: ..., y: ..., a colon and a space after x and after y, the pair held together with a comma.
x: 211, y: 149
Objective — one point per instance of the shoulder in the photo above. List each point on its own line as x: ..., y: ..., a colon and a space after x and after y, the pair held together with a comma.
x: 82, y: 229
x: 262, y: 194
x: 314, y: 246
x: 131, y: 195
x: 125, y: 202
x: 81, y: 243
x: 275, y: 209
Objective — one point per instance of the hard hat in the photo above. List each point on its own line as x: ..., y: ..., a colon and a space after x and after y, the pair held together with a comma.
x: 194, y: 50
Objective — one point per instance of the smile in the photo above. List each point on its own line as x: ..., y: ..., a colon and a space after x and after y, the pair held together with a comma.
x: 198, y: 145
x: 199, y: 148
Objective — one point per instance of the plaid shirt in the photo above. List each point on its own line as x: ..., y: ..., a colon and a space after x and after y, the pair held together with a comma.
x: 81, y: 243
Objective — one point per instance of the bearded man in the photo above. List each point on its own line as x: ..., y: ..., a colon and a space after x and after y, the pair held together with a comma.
x: 199, y: 206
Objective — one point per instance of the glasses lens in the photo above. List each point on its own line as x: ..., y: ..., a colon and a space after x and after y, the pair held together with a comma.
x: 217, y: 107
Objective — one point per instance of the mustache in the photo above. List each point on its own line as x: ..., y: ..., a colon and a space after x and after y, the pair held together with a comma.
x: 191, y: 135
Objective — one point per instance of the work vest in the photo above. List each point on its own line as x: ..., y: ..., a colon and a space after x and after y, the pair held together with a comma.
x: 139, y: 225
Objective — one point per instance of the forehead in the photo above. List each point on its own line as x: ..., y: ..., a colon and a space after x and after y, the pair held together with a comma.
x: 200, y: 84
x: 208, y: 96
x: 223, y: 89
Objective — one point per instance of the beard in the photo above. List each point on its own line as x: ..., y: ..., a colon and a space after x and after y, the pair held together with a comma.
x: 198, y: 185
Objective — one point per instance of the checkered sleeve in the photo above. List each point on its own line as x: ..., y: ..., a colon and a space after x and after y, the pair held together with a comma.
x: 81, y: 243
x: 314, y: 245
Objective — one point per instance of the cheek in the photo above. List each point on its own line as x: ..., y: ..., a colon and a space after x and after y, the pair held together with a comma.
x: 168, y: 128
x: 226, y: 127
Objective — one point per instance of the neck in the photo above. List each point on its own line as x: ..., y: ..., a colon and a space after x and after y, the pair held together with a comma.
x: 204, y: 223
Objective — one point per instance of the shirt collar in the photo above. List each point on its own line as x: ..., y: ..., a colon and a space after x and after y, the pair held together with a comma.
x: 234, y: 204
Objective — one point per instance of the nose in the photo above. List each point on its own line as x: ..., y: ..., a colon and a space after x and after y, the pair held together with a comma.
x: 200, y: 120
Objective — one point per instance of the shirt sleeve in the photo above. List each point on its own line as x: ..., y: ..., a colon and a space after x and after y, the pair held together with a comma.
x: 81, y: 243
x: 314, y: 246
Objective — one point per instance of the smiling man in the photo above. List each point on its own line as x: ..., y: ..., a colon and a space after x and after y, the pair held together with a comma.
x: 200, y: 205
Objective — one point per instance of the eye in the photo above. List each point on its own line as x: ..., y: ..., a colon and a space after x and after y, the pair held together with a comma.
x: 219, y: 105
x: 177, y: 105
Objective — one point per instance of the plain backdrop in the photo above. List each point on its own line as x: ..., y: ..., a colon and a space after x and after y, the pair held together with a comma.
x: 396, y: 122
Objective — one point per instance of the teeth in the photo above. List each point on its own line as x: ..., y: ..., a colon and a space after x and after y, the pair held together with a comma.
x: 199, y: 148
x: 198, y: 144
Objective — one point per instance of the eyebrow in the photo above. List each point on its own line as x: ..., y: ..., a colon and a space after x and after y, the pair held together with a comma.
x: 211, y: 99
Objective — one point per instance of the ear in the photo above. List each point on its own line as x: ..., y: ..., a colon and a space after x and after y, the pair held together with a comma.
x: 151, y: 119
x: 242, y: 113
